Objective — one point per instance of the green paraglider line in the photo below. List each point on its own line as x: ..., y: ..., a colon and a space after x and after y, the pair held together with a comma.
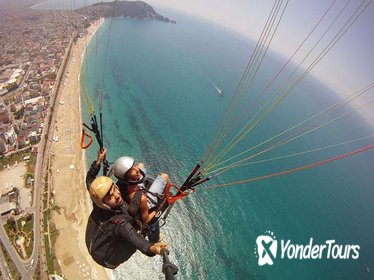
x: 294, y: 169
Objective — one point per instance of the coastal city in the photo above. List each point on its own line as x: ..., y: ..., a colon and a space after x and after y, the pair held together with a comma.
x: 34, y: 48
x: 40, y: 56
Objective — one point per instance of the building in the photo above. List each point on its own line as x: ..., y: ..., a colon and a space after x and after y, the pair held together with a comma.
x: 16, y: 127
x: 3, y: 148
x: 34, y: 101
x: 4, y: 116
x: 5, y: 75
x: 11, y: 136
x: 33, y: 137
x: 11, y: 84
x: 6, y: 206
x: 22, y: 140
x: 55, y: 277
x: 13, y: 107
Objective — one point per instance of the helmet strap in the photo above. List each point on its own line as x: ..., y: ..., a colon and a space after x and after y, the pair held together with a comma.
x: 136, y: 182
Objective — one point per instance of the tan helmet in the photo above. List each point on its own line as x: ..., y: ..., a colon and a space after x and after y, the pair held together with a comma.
x: 98, y: 189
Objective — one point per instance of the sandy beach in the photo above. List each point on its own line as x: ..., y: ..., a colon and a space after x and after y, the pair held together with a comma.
x: 67, y: 170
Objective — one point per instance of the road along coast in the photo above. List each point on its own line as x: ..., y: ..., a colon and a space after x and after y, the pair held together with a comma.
x: 67, y: 168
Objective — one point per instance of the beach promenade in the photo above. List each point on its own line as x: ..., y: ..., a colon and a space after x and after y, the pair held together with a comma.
x: 67, y: 174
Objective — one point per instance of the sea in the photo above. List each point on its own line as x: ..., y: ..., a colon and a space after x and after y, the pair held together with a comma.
x: 160, y: 105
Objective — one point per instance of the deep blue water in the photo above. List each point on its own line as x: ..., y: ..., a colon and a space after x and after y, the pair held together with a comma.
x: 160, y: 106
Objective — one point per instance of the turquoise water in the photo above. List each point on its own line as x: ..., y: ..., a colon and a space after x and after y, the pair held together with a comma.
x: 160, y: 106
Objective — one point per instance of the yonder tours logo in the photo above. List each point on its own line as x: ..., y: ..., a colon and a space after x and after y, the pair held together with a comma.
x: 267, y: 247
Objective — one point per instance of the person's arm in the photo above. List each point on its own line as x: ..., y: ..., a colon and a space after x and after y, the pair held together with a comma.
x: 95, y: 168
x: 144, y: 210
x: 125, y: 230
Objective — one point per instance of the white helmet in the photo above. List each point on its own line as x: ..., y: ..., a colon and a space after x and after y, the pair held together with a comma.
x: 121, y: 166
x: 98, y: 189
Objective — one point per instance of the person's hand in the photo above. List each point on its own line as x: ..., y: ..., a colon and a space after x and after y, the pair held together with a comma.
x: 141, y: 165
x: 157, y: 248
x: 101, y: 154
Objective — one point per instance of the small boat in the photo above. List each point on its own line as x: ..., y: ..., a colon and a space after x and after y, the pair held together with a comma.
x: 221, y: 92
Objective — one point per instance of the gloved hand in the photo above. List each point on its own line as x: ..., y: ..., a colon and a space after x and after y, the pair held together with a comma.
x: 157, y: 247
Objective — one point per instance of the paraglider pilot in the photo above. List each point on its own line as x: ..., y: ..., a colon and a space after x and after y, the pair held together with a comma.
x: 111, y: 238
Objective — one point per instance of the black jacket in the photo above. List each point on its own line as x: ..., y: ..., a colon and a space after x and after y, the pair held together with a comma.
x: 110, y: 236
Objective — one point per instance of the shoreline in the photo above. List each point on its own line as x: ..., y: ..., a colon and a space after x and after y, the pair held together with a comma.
x: 68, y: 169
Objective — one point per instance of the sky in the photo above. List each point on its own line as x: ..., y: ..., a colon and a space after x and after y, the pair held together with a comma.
x: 348, y: 67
